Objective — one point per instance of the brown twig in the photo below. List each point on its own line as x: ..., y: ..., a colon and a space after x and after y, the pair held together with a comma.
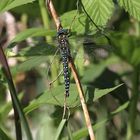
x: 82, y: 99
x: 75, y: 74
x: 54, y: 14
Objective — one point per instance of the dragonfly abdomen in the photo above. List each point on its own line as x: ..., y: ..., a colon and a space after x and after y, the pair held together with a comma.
x: 65, y: 53
x: 66, y: 71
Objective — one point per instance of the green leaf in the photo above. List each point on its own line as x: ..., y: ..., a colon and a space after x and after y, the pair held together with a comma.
x: 29, y: 64
x: 101, y: 92
x: 46, y: 125
x: 42, y: 50
x: 60, y: 128
x: 55, y: 96
x: 136, y: 57
x: 93, y: 72
x: 126, y: 47
x: 79, y: 24
x: 120, y: 108
x: 132, y: 7
x: 99, y: 10
x: 6, y: 5
x: 5, y: 109
x: 4, y: 136
x: 84, y: 132
x: 76, y: 21
x: 32, y: 32
x: 26, y: 9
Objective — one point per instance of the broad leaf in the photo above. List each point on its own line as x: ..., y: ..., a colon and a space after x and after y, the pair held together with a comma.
x: 6, y: 5
x: 84, y: 132
x: 29, y: 64
x: 55, y: 96
x: 33, y: 32
x: 101, y: 92
x: 40, y: 50
x: 93, y: 72
x: 132, y: 7
x: 99, y: 10
x: 76, y: 22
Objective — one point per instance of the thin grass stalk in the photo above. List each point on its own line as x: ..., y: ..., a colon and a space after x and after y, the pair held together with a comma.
x: 45, y: 17
x: 46, y: 24
x: 133, y: 105
x: 15, y: 100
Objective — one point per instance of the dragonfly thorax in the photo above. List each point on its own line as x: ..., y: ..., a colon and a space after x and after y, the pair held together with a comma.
x: 63, y: 32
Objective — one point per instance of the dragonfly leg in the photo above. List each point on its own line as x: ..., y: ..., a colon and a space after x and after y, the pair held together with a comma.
x: 52, y: 61
x: 56, y: 78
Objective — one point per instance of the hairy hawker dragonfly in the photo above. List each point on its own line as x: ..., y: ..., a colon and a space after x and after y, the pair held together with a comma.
x: 82, y: 49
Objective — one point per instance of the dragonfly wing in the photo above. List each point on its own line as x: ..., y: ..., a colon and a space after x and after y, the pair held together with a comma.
x: 90, y: 49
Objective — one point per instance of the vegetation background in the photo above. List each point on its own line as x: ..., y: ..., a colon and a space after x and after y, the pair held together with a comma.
x: 108, y: 67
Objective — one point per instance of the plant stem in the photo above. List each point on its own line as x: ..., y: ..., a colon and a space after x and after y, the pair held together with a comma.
x: 82, y: 100
x: 133, y: 105
x: 45, y: 17
x: 135, y: 93
x: 16, y: 103
x: 46, y: 24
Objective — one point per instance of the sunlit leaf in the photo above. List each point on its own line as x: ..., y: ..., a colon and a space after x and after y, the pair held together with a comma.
x: 132, y: 7
x: 33, y: 32
x: 55, y: 96
x: 6, y: 5
x: 42, y: 50
x: 29, y: 64
x: 77, y: 23
x: 101, y: 92
x: 99, y: 10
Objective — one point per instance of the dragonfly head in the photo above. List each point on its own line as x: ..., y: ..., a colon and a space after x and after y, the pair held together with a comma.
x: 63, y: 32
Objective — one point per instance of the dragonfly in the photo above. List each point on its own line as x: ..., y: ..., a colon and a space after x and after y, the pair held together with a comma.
x: 65, y: 54
x: 63, y: 46
x: 80, y: 48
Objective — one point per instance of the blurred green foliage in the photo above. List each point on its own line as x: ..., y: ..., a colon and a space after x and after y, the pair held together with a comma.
x: 112, y: 28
